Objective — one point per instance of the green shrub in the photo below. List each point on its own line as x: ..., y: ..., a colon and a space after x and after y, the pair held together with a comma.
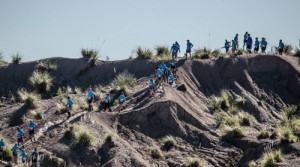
x: 89, y: 53
x: 239, y: 52
x: 295, y: 125
x: 245, y: 118
x: 288, y: 135
x: 278, y: 156
x: 204, y: 53
x: 220, y: 117
x: 124, y: 81
x: 264, y: 134
x: 270, y: 158
x: 252, y: 164
x: 232, y: 132
x: 162, y: 51
x: 194, y: 162
x: 37, y: 114
x: 16, y: 58
x: 109, y: 138
x: 288, y: 112
x: 169, y: 142
x: 41, y: 81
x: 81, y: 136
x: 155, y: 152
x: 215, y: 102
x: 30, y: 98
x: 61, y: 108
x: 225, y: 99
x: 84, y: 106
x: 144, y: 53
x: 231, y: 120
x: 77, y: 90
x: 44, y: 66
x: 7, y: 154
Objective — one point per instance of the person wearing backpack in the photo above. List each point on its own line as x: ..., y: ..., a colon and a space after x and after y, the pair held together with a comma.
x: 35, y: 158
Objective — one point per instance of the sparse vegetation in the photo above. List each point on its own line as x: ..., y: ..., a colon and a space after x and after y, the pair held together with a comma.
x: 162, y: 51
x: 7, y: 154
x: 264, y: 133
x: 270, y: 158
x: 232, y: 132
x: 124, y: 81
x: 239, y: 52
x: 89, y: 53
x: 204, y: 53
x: 194, y: 162
x: 144, y: 53
x: 41, y: 81
x: 61, y: 108
x: 46, y: 66
x: 252, y: 164
x: 81, y: 136
x: 245, y: 118
x: 16, y: 58
x: 155, y: 152
x: 287, y: 50
x: 109, y: 138
x: 169, y: 142
x: 77, y: 90
x: 37, y: 114
x: 30, y: 98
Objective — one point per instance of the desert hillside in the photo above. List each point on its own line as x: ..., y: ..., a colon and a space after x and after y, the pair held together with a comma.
x: 224, y: 112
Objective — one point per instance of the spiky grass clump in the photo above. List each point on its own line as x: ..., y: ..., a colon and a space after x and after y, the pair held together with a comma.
x: 270, y: 158
x: 295, y: 125
x: 81, y: 136
x: 78, y: 90
x: 162, y: 51
x: 215, y: 102
x: 44, y: 66
x: 37, y: 114
x: 194, y: 162
x: 288, y: 112
x: 169, y: 142
x: 204, y: 53
x: 62, y: 96
x: 61, y: 108
x: 89, y: 53
x: 7, y: 154
x: 155, y: 152
x: 144, y: 53
x: 239, y: 52
x: 225, y: 99
x: 231, y: 120
x: 124, y: 81
x: 29, y: 98
x: 232, y: 132
x: 252, y: 164
x: 16, y: 58
x: 84, y: 106
x: 109, y: 138
x: 245, y: 118
x: 264, y: 133
x: 220, y: 117
x: 41, y: 81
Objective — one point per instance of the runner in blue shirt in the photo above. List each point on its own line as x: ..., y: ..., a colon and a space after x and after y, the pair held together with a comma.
x: 245, y: 40
x: 256, y: 45
x: 234, y: 46
x: 236, y: 40
x: 171, y: 79
x: 263, y: 45
x: 173, y: 66
x: 249, y: 43
x: 15, y: 150
x: 24, y: 156
x: 32, y: 125
x: 2, y: 144
x: 122, y: 100
x: 91, y: 96
x: 20, y: 135
x: 189, y: 47
x: 152, y: 85
x: 107, y: 102
x: 280, y: 47
x: 175, y: 49
x: 69, y: 106
x: 226, y: 46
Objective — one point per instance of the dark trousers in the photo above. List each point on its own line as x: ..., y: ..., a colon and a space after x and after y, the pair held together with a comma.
x: 107, y: 106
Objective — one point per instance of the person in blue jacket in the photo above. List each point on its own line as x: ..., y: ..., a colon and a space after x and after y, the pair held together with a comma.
x: 173, y: 66
x: 171, y: 79
x: 20, y: 135
x: 249, y: 43
x: 15, y: 150
x: 234, y: 46
x: 122, y: 100
x: 245, y: 39
x: 280, y: 47
x: 91, y: 96
x: 189, y: 47
x: 256, y: 45
x: 226, y: 46
x: 236, y: 40
x: 24, y: 156
x: 107, y: 102
x: 175, y: 49
x: 263, y: 45
x: 2, y: 144
x: 32, y: 125
x: 69, y: 106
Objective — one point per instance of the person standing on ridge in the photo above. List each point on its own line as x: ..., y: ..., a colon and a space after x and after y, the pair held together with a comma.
x: 91, y: 96
x: 280, y: 47
x: 226, y: 46
x: 122, y: 100
x: 256, y: 45
x: 2, y: 144
x: 107, y: 102
x: 245, y: 39
x: 189, y: 47
x: 249, y: 43
x: 20, y: 135
x: 234, y: 47
x: 32, y: 125
x: 263, y: 45
x: 69, y: 106
x: 236, y: 40
x: 175, y: 49
x: 15, y: 150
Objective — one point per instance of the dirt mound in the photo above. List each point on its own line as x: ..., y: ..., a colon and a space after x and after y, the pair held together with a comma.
x: 182, y: 113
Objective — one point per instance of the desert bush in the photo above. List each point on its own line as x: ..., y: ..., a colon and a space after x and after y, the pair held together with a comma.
x: 124, y: 81
x: 61, y: 108
x: 89, y: 53
x: 239, y: 52
x: 169, y: 142
x: 16, y: 58
x: 215, y: 102
x: 239, y: 101
x: 286, y: 50
x: 77, y: 90
x: 44, y: 66
x: 252, y: 164
x: 225, y: 99
x: 162, y: 51
x: 270, y: 158
x: 220, y: 117
x: 144, y: 53
x: 61, y: 95
x: 204, y: 53
x: 30, y: 98
x: 155, y: 152
x: 245, y: 118
x: 81, y: 136
x: 109, y: 138
x: 295, y: 125
x: 194, y: 162
x: 231, y: 120
x: 37, y: 114
x: 264, y: 133
x: 287, y: 134
x: 84, y: 105
x: 7, y: 154
x: 288, y: 112
x: 41, y: 81
x: 232, y: 132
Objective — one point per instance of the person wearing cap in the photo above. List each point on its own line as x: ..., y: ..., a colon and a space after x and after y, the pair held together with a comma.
x: 256, y: 45
x: 69, y: 106
x: 280, y: 47
x: 189, y: 47
x: 263, y: 45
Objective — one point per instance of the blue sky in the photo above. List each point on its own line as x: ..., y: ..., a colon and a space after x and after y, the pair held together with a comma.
x: 41, y: 28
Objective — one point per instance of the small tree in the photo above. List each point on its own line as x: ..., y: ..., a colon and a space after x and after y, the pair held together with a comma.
x: 16, y: 58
